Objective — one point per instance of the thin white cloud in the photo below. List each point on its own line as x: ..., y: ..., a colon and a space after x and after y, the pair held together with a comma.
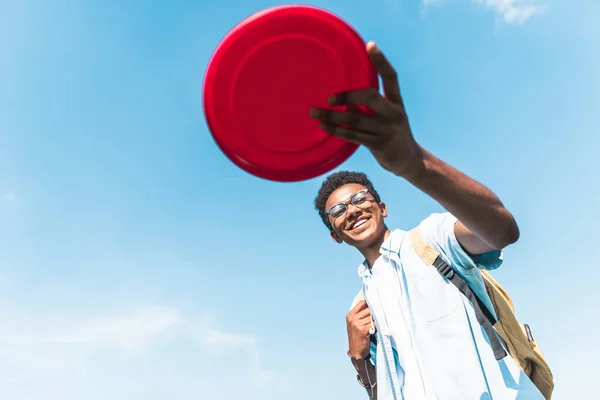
x: 130, y: 334
x: 81, y: 353
x: 514, y: 11
x: 511, y: 11
x: 218, y: 342
x: 219, y: 338
x: 261, y: 376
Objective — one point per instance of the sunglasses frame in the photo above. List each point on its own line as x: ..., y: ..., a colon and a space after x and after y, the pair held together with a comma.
x: 346, y: 203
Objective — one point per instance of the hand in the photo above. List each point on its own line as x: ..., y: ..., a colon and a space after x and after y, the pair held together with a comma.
x: 358, y: 323
x: 386, y: 133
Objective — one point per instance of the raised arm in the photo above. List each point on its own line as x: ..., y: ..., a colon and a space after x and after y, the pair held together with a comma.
x: 484, y: 223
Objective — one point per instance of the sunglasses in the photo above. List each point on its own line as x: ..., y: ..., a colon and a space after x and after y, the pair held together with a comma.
x: 339, y: 209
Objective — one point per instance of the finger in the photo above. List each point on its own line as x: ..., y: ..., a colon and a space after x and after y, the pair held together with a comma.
x: 388, y: 74
x: 361, y: 138
x: 361, y: 305
x: 369, y: 97
x: 363, y: 314
x: 351, y: 120
x: 356, y: 110
x: 365, y: 323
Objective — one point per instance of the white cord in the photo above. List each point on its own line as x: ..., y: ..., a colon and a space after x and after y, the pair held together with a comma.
x: 371, y: 384
x: 368, y: 377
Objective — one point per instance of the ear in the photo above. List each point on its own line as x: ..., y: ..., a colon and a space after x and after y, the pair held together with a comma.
x: 336, y: 238
x: 383, y: 209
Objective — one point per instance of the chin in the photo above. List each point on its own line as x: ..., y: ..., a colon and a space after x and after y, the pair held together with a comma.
x: 365, y: 239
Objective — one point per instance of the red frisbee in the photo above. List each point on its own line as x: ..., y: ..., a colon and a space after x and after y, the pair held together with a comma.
x: 264, y: 77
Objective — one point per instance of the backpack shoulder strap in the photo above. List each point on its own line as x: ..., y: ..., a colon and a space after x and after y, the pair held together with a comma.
x: 431, y: 257
x: 492, y: 283
x: 516, y: 336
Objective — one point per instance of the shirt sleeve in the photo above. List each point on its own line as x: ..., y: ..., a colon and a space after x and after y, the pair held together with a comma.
x: 438, y: 231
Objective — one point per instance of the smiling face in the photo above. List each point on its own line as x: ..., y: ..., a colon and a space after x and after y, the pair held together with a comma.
x: 355, y: 216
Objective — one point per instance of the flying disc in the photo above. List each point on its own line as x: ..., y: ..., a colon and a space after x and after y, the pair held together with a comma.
x: 264, y: 77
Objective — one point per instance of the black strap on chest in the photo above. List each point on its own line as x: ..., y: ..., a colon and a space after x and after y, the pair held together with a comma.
x: 484, y: 316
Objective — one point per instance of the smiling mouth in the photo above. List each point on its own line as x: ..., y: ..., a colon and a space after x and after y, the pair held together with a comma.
x: 360, y: 222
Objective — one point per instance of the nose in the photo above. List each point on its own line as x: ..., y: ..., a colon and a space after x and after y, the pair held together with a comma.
x: 352, y: 211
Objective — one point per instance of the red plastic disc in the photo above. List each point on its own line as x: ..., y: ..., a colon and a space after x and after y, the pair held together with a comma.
x: 264, y: 77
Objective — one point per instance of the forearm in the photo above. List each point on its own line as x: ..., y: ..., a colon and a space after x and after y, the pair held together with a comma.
x: 477, y: 207
x: 368, y: 375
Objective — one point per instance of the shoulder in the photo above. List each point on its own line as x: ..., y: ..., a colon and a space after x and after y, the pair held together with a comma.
x: 438, y: 231
x: 437, y: 221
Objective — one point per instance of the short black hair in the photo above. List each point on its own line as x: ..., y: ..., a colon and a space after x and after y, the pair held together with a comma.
x: 336, y: 181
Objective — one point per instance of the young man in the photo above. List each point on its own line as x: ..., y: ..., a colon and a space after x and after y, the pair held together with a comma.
x: 429, y: 343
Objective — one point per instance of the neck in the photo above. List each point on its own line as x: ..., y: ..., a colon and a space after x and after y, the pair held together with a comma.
x: 371, y: 253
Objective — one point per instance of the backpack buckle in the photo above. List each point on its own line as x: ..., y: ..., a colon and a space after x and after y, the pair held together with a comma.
x: 444, y: 268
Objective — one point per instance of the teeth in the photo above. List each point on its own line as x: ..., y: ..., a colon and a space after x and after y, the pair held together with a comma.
x: 359, y: 223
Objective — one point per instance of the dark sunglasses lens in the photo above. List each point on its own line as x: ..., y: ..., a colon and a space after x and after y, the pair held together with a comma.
x: 359, y: 197
x: 337, y: 210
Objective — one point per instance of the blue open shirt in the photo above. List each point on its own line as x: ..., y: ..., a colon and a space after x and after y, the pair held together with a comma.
x: 429, y: 343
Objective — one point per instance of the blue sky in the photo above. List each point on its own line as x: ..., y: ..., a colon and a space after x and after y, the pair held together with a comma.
x: 137, y: 262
